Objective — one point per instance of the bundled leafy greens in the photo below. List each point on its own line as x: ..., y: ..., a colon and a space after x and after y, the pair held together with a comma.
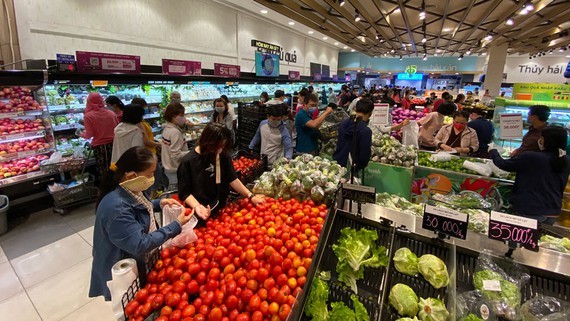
x: 432, y: 310
x: 434, y: 270
x: 317, y: 302
x: 405, y: 261
x: 356, y: 250
x: 404, y: 300
x: 341, y: 312
x: 509, y: 292
x: 554, y: 243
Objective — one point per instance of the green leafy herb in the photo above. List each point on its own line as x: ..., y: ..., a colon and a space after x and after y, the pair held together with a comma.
x: 317, y: 302
x: 341, y: 312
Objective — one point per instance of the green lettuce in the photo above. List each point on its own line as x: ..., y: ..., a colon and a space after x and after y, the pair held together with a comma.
x: 471, y: 317
x: 404, y: 300
x: 434, y: 270
x: 359, y: 310
x: 317, y: 302
x: 510, y: 293
x: 405, y: 261
x: 408, y: 319
x: 356, y: 250
x: 432, y: 310
x: 340, y: 312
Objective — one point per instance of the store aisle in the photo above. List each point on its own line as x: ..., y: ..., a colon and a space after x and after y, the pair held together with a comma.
x: 45, y: 267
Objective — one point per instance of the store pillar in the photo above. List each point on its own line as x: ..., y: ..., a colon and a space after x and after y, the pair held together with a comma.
x: 495, y: 66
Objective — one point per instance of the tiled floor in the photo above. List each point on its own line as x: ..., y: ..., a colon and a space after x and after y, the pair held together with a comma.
x: 45, y: 267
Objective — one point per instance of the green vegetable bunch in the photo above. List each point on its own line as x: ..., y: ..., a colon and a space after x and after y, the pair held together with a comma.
x: 509, y: 293
x: 471, y: 317
x: 434, y: 270
x: 356, y: 250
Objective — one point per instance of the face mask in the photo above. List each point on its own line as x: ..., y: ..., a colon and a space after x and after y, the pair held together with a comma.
x: 459, y: 126
x: 312, y: 109
x: 138, y: 184
x: 180, y: 120
x: 541, y: 144
x: 273, y: 123
x: 220, y: 110
x: 261, y: 100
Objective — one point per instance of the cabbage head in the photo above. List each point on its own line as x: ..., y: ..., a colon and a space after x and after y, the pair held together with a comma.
x: 405, y: 261
x: 434, y: 270
x: 432, y: 310
x: 404, y: 300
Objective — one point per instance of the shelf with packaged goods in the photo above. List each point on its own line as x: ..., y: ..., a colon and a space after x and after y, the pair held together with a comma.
x: 62, y: 127
x: 199, y: 112
x: 24, y: 154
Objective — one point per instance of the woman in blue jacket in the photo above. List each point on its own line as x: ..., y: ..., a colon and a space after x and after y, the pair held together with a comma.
x: 124, y: 225
x: 541, y: 176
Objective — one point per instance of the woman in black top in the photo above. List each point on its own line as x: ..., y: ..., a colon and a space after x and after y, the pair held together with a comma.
x: 206, y: 173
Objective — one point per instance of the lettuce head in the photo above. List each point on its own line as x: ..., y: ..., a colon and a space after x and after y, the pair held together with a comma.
x: 405, y: 261
x: 404, y: 300
x: 432, y: 310
x: 434, y: 270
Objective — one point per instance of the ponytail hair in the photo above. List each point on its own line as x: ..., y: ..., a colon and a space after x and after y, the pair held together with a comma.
x: 135, y: 159
x: 555, y: 139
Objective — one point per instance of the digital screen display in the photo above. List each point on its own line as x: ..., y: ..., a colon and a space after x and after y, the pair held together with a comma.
x: 266, y: 65
x: 404, y: 76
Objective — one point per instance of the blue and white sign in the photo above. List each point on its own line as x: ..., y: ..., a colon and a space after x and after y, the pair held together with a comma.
x: 65, y: 59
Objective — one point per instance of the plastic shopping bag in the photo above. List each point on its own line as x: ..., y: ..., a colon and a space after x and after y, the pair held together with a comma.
x: 410, y: 134
x: 481, y: 168
x: 440, y: 157
x: 497, y: 171
x: 170, y: 213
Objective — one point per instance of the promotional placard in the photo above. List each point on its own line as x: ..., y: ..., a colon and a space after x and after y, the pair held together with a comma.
x: 224, y: 70
x: 65, y: 59
x: 181, y: 67
x: 380, y: 114
x: 107, y: 62
x: 358, y: 193
x: 518, y: 229
x: 511, y: 126
x: 543, y: 92
x: 294, y: 75
x: 446, y: 221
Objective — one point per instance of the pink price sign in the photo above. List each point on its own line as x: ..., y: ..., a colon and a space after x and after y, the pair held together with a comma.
x: 101, y: 62
x: 181, y: 67
x: 229, y: 71
x: 294, y: 75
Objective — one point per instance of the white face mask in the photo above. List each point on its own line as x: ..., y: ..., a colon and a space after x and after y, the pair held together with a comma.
x: 180, y: 120
x: 138, y: 184
x: 273, y: 123
x: 220, y: 110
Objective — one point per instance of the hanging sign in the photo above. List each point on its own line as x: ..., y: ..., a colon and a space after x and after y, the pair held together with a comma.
x: 107, y: 62
x: 223, y: 70
x: 511, y: 126
x: 65, y: 62
x: 294, y: 75
x: 518, y: 229
x: 380, y: 114
x: 446, y: 221
x: 181, y: 67
x: 266, y: 47
x: 358, y: 193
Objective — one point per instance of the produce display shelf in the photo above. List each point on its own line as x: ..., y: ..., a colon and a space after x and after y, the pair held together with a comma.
x: 20, y: 178
x: 20, y: 136
x: 58, y: 128
x: 151, y: 116
x: 12, y: 156
x: 56, y: 109
x: 370, y: 288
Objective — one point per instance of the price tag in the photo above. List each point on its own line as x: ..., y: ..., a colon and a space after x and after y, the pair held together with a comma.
x: 380, y: 114
x: 359, y: 193
x: 446, y: 221
x: 492, y: 285
x: 521, y: 230
x: 511, y: 126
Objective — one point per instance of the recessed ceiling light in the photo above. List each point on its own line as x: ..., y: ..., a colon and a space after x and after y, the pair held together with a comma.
x: 457, y: 73
x: 336, y: 43
x: 529, y: 7
x: 524, y: 11
x: 345, y: 47
x: 510, y: 22
x: 568, y: 56
x: 341, y: 3
x: 263, y: 11
x: 392, y: 51
x: 446, y: 29
x: 424, y: 39
x: 325, y: 38
x: 397, y: 10
x: 311, y: 32
x: 352, y: 50
x: 389, y: 73
x: 291, y: 23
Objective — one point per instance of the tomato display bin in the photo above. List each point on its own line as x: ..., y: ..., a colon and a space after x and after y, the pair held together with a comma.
x: 129, y: 295
x: 391, y: 179
x: 251, y: 174
x: 370, y: 288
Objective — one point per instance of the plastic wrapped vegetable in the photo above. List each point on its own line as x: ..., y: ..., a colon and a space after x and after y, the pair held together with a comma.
x: 471, y: 317
x: 405, y: 261
x: 307, y: 183
x: 306, y: 158
x: 545, y: 308
x: 317, y: 194
x: 554, y: 243
x: 432, y: 310
x: 408, y: 319
x: 434, y: 270
x: 296, y: 188
x: 404, y: 300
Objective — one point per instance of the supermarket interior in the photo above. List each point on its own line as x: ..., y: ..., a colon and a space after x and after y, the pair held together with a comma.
x: 266, y: 160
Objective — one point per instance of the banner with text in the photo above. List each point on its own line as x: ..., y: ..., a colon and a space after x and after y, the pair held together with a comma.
x: 101, y: 62
x: 294, y: 75
x: 542, y: 92
x: 181, y: 67
x: 223, y: 70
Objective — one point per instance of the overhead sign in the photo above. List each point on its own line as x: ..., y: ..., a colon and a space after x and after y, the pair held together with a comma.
x: 101, y: 62
x: 403, y: 76
x: 266, y: 47
x: 294, y: 75
x: 381, y: 114
x: 446, y: 221
x: 181, y: 67
x: 511, y: 126
x: 411, y: 69
x: 542, y: 92
x: 223, y: 70
x: 65, y: 59
x: 513, y: 228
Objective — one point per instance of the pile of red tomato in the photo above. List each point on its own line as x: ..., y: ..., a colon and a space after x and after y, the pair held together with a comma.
x: 250, y: 263
x: 245, y: 165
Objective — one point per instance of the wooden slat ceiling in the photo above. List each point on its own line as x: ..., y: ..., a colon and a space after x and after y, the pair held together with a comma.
x: 450, y: 27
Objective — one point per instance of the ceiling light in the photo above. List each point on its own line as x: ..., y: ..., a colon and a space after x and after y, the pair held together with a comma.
x: 311, y: 32
x: 336, y: 43
x: 263, y: 11
x: 352, y: 50
x: 397, y: 10
x: 291, y: 23
x: 560, y: 50
x: 435, y: 55
x: 568, y: 56
x: 468, y: 52
x: 356, y: 16
x: 389, y: 73
x: 325, y: 38
x: 460, y: 57
x: 345, y: 47
x: 404, y: 45
x: 425, y: 57
x: 524, y: 11
x: 377, y: 36
x: 392, y: 51
x: 424, y: 39
x: 446, y: 29
x: 381, y: 40
x: 529, y: 6
x: 457, y: 73
x: 550, y: 52
x: 510, y: 22
x: 341, y: 3
x: 385, y: 54
x: 484, y: 54
x: 422, y: 15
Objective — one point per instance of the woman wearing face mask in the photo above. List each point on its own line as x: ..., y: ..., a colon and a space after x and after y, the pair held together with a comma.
x: 222, y: 116
x: 431, y: 123
x: 541, y: 176
x: 174, y: 146
x: 124, y: 225
x: 406, y: 101
x: 128, y: 133
x: 263, y: 98
x: 273, y: 135
x: 458, y: 136
x: 206, y: 174
x: 116, y: 105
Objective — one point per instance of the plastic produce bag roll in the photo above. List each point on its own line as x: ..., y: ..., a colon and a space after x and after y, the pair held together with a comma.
x: 481, y: 168
x: 123, y: 274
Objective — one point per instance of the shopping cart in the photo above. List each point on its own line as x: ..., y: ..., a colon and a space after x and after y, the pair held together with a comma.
x: 82, y: 193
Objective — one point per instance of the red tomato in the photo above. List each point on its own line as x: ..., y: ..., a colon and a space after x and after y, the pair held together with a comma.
x: 162, y: 318
x: 158, y: 301
x: 192, y: 287
x: 176, y: 315
x: 215, y: 315
x: 141, y: 296
x: 173, y: 300
x: 131, y: 307
x: 189, y: 311
x: 166, y: 310
x: 284, y: 311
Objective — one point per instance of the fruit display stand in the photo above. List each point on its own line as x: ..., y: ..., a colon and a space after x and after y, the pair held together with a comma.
x: 26, y: 136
